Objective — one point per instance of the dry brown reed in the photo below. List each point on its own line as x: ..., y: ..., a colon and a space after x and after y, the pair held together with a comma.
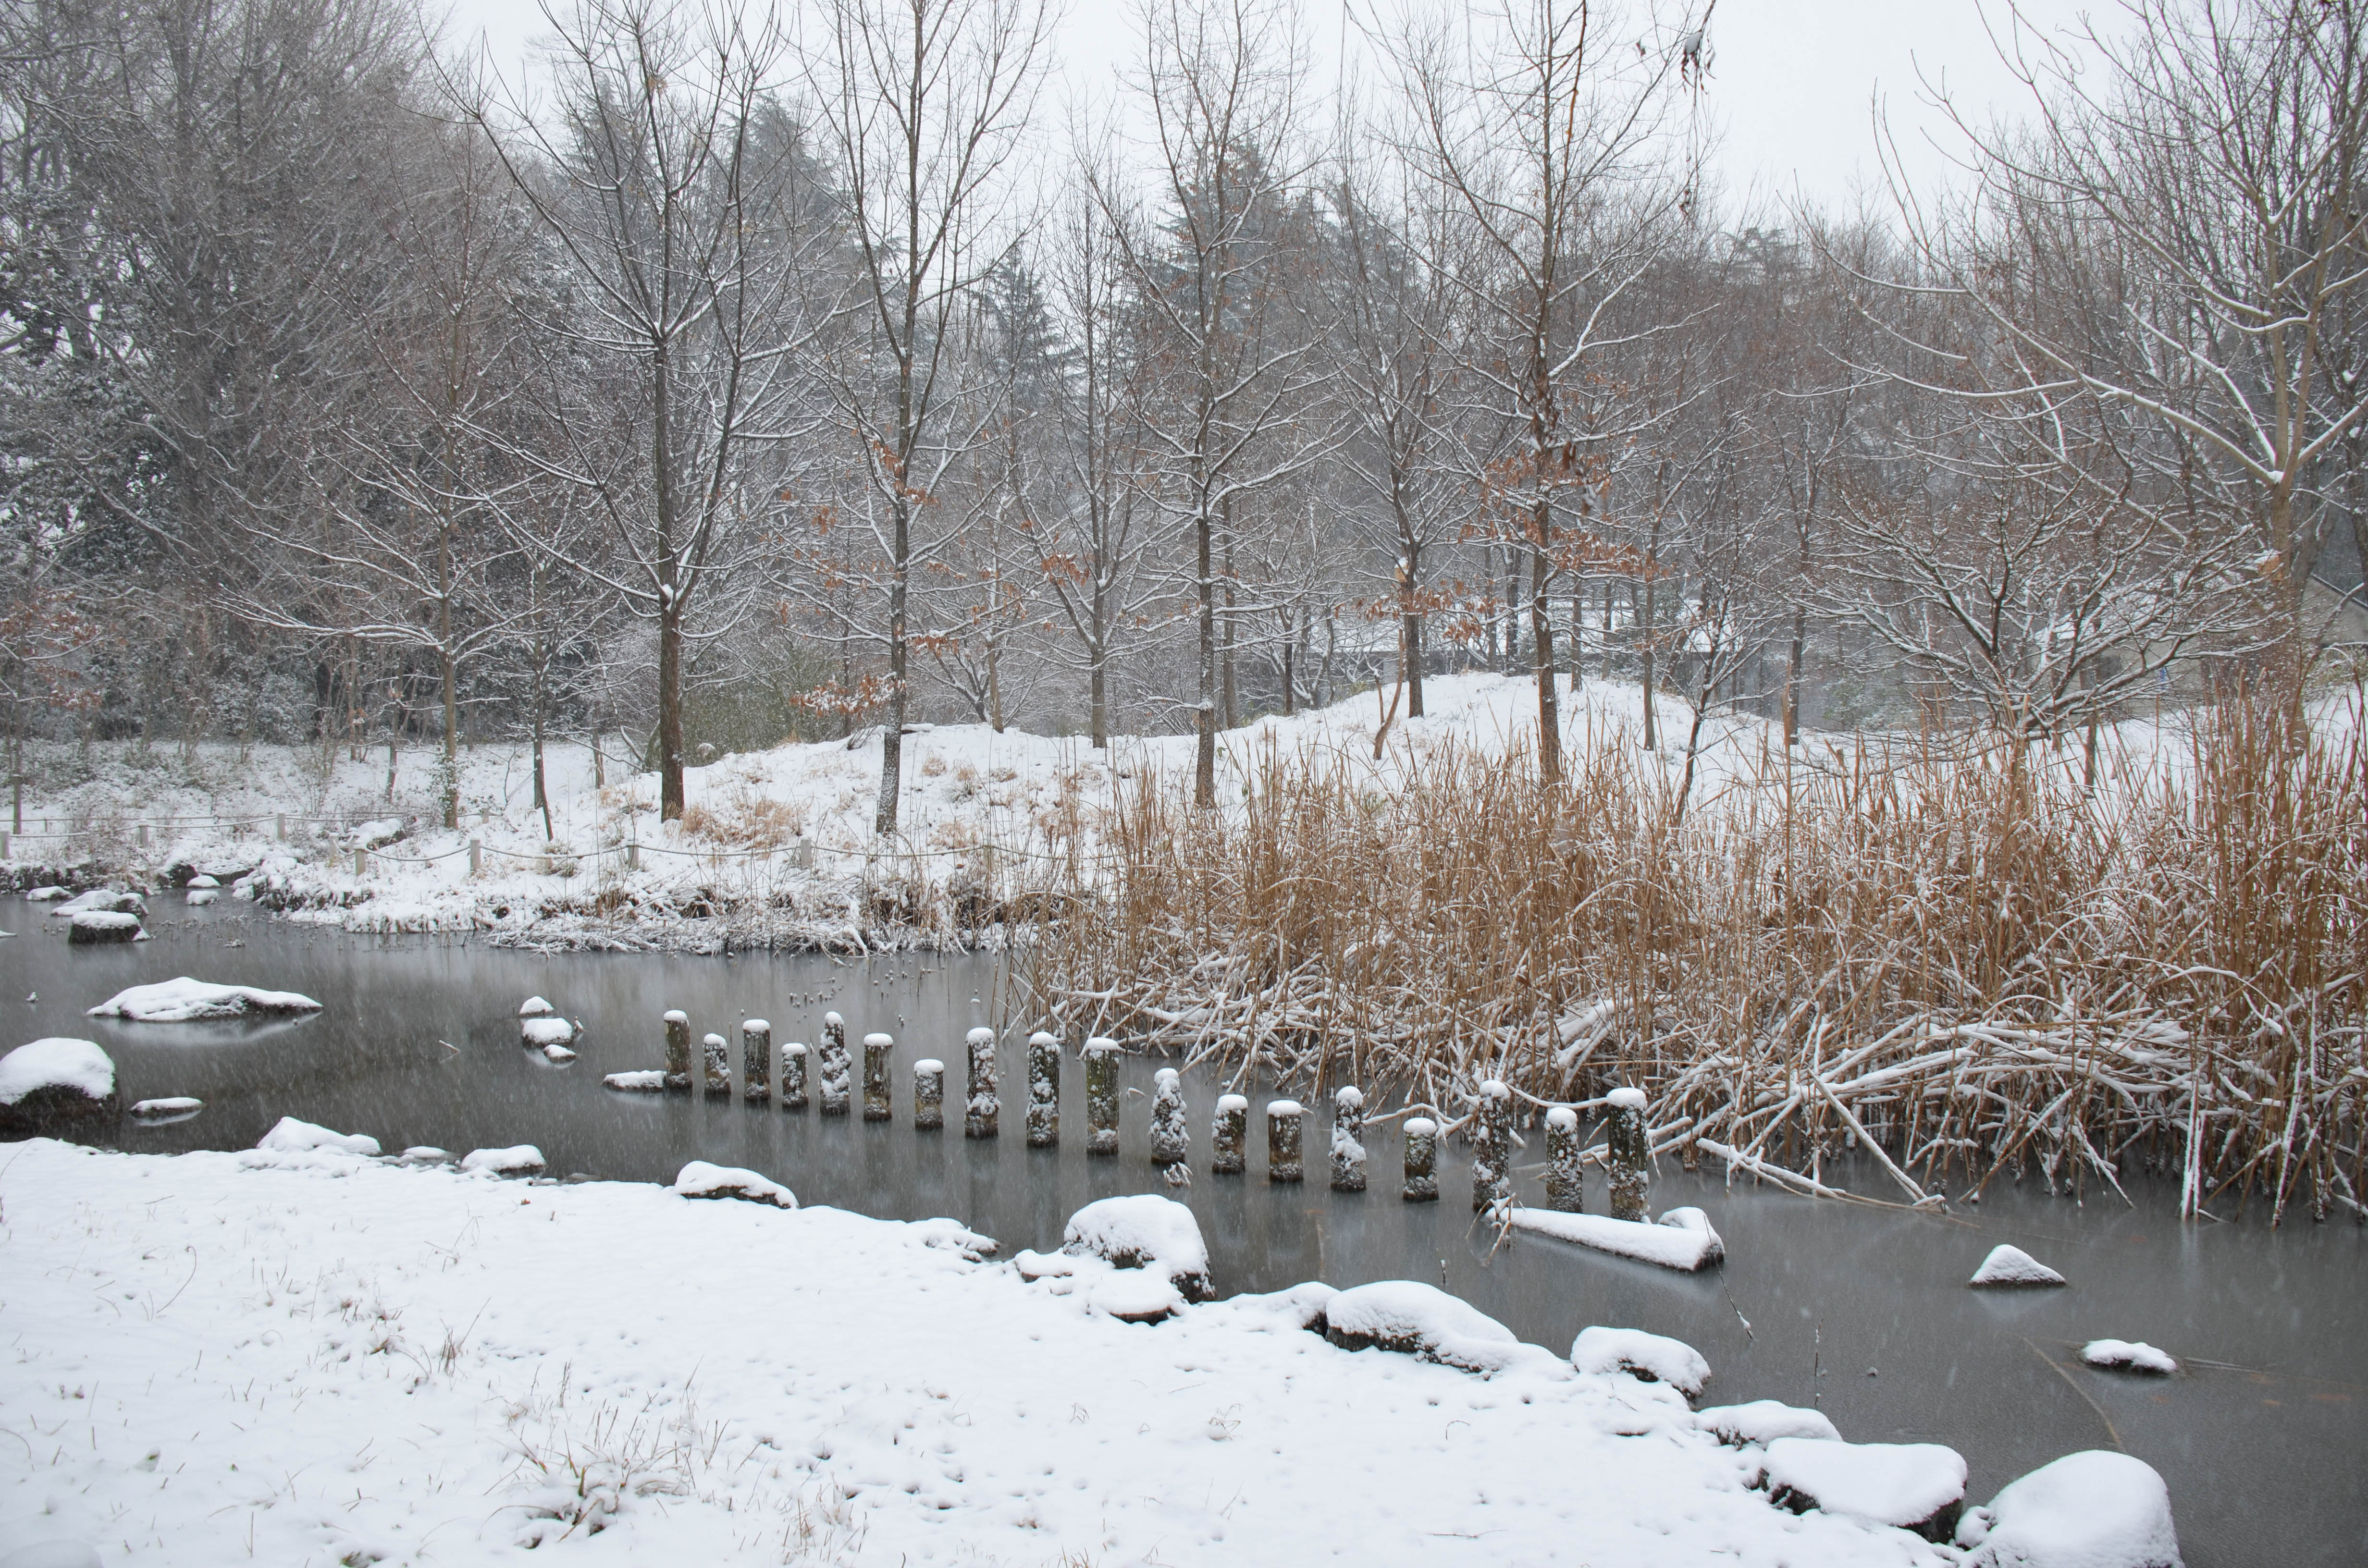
x: 1959, y: 965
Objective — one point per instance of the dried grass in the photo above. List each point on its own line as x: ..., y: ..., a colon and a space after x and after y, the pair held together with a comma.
x: 1967, y: 962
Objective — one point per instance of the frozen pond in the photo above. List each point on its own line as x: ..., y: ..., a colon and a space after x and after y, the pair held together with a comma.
x: 1861, y: 1310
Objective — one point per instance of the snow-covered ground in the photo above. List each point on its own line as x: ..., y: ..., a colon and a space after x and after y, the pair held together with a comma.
x: 310, y: 1358
x: 734, y: 871
x: 777, y: 847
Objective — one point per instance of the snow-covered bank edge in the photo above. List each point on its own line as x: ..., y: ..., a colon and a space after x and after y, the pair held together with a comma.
x: 321, y: 1359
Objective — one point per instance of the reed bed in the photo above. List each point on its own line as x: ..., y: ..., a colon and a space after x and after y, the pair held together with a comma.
x: 1957, y: 964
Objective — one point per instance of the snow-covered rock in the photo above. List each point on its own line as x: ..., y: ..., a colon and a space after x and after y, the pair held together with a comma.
x: 199, y: 897
x: 1683, y: 1240
x: 425, y: 1154
x: 535, y: 1007
x: 518, y: 1160
x: 1913, y: 1486
x: 2128, y: 1355
x: 54, y: 1080
x: 98, y: 925
x: 1421, y: 1320
x: 1147, y: 1232
x: 557, y: 1053
x: 185, y: 1001
x: 1652, y: 1358
x: 201, y: 882
x: 2011, y: 1268
x: 699, y: 1179
x: 101, y: 901
x: 953, y: 1235
x: 171, y: 1108
x: 645, y: 1080
x: 377, y: 834
x: 1762, y: 1421
x: 546, y: 1031
x: 2087, y: 1510
x: 48, y: 893
x: 293, y: 1137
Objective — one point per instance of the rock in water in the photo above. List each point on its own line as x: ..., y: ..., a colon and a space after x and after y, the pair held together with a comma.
x: 699, y: 1179
x: 2127, y: 1356
x: 2086, y: 1510
x: 2011, y: 1268
x: 535, y: 1007
x: 1911, y: 1486
x: 55, y: 1082
x: 186, y: 1001
x: 100, y: 925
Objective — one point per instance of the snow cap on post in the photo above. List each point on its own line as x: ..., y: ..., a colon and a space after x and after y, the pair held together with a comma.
x: 1228, y: 1135
x: 1421, y: 1160
x: 1283, y: 1119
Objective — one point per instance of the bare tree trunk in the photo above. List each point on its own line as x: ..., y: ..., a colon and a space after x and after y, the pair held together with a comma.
x: 1793, y: 681
x: 1204, y: 758
x: 1542, y: 656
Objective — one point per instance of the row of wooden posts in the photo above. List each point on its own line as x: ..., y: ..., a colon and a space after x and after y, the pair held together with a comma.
x: 1626, y: 1155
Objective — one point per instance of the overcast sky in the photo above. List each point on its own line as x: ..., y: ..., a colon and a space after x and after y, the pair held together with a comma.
x: 1792, y: 88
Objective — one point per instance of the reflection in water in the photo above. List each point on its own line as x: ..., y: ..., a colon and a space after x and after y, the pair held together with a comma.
x: 1861, y: 1310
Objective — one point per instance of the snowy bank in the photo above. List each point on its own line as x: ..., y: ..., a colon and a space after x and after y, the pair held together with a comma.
x: 355, y: 1361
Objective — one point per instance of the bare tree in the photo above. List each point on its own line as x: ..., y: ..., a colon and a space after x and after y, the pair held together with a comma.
x: 923, y: 103
x: 678, y: 196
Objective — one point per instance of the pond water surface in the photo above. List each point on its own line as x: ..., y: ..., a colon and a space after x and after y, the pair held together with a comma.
x: 1863, y: 1310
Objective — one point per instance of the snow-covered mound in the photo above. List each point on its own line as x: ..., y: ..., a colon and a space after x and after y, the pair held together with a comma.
x: 2128, y: 1355
x: 2011, y: 1268
x: 535, y: 1007
x: 1143, y: 1231
x: 99, y: 901
x: 47, y: 894
x: 2087, y: 1510
x: 1914, y: 1486
x: 186, y: 1001
x: 293, y: 1137
x: 1653, y: 1357
x: 1762, y: 1421
x: 105, y: 926
x: 699, y: 1179
x: 641, y: 1080
x: 424, y: 1154
x: 170, y: 1107
x: 1682, y: 1240
x: 1421, y: 1320
x: 546, y: 1031
x: 519, y: 1159
x: 54, y: 1079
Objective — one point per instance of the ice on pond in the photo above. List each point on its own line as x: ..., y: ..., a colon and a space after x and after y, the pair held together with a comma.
x: 2086, y: 1510
x: 1654, y: 1358
x: 2010, y: 1267
x: 701, y: 1179
x: 186, y: 1001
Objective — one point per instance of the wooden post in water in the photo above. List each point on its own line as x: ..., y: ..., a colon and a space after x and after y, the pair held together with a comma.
x: 982, y: 1116
x: 1421, y: 1160
x: 1283, y: 1141
x: 1171, y: 1138
x: 875, y: 1077
x: 1630, y: 1151
x: 793, y: 1075
x: 929, y: 1095
x: 1228, y: 1135
x: 755, y: 1060
x: 1349, y: 1138
x: 678, y: 1052
x: 835, y: 1067
x: 1566, y: 1191
x: 1101, y: 1096
x: 1043, y: 1090
x: 1492, y: 1146
x: 717, y: 1060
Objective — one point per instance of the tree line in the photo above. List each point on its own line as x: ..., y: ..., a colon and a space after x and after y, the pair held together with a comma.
x: 722, y: 380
